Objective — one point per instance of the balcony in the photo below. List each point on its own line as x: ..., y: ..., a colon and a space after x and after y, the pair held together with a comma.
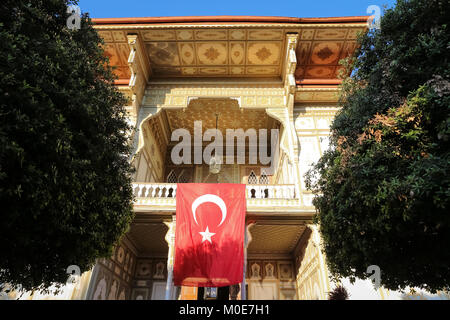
x: 280, y: 199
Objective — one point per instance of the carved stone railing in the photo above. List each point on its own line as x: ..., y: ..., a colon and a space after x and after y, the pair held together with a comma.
x: 261, y: 199
x: 154, y: 190
x: 253, y: 191
x: 268, y: 191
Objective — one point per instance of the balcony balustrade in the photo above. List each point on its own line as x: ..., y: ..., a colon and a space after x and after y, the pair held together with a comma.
x: 260, y: 197
x: 253, y: 191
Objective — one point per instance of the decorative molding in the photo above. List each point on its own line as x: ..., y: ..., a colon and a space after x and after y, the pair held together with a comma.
x: 292, y: 26
x: 176, y: 96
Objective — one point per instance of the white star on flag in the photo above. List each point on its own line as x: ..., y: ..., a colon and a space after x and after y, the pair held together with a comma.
x: 207, y: 235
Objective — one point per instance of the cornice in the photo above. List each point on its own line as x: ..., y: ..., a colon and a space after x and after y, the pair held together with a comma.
x: 229, y: 20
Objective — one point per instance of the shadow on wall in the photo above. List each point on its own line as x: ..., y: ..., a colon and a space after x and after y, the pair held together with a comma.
x: 210, y: 264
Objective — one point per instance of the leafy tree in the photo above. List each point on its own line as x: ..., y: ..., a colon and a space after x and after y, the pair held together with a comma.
x: 383, y: 188
x: 65, y: 183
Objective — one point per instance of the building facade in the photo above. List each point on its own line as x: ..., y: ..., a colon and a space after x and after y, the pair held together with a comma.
x: 245, y: 72
x: 229, y: 73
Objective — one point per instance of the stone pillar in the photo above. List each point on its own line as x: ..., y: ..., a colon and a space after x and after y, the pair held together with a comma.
x: 170, y: 239
x: 316, y: 239
x: 247, y: 240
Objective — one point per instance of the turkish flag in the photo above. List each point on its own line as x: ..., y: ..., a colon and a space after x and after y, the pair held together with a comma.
x: 209, y: 234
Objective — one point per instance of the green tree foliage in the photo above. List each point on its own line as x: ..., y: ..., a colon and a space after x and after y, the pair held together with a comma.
x: 65, y: 182
x: 383, y: 188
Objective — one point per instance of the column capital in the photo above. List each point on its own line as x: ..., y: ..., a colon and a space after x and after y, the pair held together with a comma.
x: 290, y: 63
x: 248, y: 234
x: 170, y: 235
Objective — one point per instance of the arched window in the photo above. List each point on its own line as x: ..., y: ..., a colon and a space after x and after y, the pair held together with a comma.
x: 172, y: 178
x: 263, y: 179
x: 252, y: 179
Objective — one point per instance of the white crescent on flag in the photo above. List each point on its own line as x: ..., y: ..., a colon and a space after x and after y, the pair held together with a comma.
x: 210, y: 198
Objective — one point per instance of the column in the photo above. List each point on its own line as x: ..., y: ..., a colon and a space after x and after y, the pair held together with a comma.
x: 170, y: 239
x: 316, y: 239
x: 247, y: 240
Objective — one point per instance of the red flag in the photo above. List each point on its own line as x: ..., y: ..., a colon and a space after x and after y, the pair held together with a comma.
x: 209, y: 235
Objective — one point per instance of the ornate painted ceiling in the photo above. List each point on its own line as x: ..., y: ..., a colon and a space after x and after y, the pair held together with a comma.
x: 267, y: 238
x: 230, y: 116
x: 148, y: 238
x: 234, y: 51
x: 320, y: 50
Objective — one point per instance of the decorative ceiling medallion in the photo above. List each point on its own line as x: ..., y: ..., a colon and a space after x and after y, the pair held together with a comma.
x: 324, y: 53
x: 263, y: 53
x: 211, y: 54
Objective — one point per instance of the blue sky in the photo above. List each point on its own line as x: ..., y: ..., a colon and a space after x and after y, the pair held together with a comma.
x: 286, y: 8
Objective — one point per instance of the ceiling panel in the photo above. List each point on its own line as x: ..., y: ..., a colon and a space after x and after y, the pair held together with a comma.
x: 234, y: 51
x: 215, y: 52
x: 149, y: 238
x: 268, y: 238
x: 320, y: 50
x: 230, y: 116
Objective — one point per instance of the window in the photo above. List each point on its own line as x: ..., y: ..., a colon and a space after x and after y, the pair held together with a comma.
x: 252, y: 179
x: 263, y: 179
x: 172, y: 178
